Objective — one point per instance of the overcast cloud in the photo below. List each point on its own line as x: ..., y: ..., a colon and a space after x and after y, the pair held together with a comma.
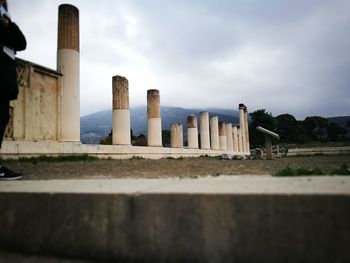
x: 282, y: 56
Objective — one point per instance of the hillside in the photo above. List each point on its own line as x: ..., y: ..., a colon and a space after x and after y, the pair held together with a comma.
x: 97, y: 125
x: 341, y: 120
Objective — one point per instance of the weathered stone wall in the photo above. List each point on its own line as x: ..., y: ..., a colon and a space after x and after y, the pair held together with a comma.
x: 35, y: 114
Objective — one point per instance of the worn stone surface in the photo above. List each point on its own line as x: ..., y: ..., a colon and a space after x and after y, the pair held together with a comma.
x: 176, y: 139
x: 207, y: 220
x: 120, y: 87
x: 204, y: 130
x: 229, y: 137
x: 68, y: 27
x: 192, y: 132
x: 214, y: 133
x: 222, y: 129
x: 153, y: 103
x: 191, y: 121
x: 243, y: 127
x: 268, y: 145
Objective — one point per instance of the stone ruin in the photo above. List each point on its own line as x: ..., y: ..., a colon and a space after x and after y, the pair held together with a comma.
x: 45, y: 119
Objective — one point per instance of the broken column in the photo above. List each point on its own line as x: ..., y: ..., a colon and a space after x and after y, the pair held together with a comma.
x: 154, y: 126
x: 268, y: 140
x: 222, y: 136
x: 192, y: 132
x: 235, y: 139
x: 176, y: 135
x: 204, y: 130
x: 214, y: 133
x: 229, y: 137
x: 242, y: 125
x: 68, y: 64
x: 121, y: 112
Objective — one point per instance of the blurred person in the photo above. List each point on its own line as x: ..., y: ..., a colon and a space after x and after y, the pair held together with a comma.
x: 11, y: 40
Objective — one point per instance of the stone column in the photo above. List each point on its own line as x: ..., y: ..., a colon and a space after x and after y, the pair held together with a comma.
x: 154, y: 125
x: 121, y: 112
x: 214, y: 133
x: 242, y: 125
x: 222, y: 136
x: 239, y: 139
x: 68, y: 63
x: 204, y: 130
x: 235, y: 138
x: 192, y: 132
x: 176, y: 135
x: 229, y: 137
x: 247, y: 130
x: 268, y: 145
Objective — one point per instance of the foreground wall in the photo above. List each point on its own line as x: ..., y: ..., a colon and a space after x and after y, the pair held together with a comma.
x: 174, y: 226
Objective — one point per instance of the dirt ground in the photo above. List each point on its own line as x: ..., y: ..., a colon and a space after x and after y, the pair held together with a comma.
x: 186, y: 167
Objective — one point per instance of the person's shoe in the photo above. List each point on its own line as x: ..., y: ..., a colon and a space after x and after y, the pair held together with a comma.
x: 7, y: 175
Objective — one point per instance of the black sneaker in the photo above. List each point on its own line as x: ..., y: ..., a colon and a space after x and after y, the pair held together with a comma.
x: 7, y: 175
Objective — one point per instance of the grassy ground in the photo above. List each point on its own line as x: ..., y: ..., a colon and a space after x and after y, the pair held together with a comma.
x: 86, y: 167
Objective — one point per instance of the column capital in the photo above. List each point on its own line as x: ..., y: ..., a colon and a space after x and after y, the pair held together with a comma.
x: 242, y: 107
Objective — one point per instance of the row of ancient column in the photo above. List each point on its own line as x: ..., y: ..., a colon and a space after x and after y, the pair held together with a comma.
x: 214, y: 135
x: 121, y: 114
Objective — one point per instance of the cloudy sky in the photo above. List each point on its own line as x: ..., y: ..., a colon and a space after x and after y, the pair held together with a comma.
x: 280, y: 55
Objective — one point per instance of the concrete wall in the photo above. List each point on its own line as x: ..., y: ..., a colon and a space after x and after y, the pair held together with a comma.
x: 178, y: 227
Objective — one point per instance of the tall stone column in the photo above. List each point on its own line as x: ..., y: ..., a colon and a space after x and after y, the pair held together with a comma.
x: 154, y: 124
x: 235, y: 139
x: 229, y: 137
x: 176, y: 135
x: 222, y: 136
x: 121, y: 112
x: 192, y: 132
x: 68, y: 63
x: 242, y: 125
x: 247, y: 130
x: 214, y: 133
x: 204, y: 130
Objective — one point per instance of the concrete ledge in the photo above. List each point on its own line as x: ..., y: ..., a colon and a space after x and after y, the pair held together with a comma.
x: 15, y: 149
x: 160, y: 221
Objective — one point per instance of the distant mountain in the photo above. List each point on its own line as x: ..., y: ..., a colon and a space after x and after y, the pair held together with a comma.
x: 97, y: 125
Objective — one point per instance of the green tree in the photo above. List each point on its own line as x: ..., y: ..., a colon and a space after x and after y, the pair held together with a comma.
x: 301, y: 136
x: 140, y: 140
x: 287, y: 128
x: 335, y: 132
x: 166, y: 137
x: 316, y: 128
x: 107, y: 140
x: 263, y: 119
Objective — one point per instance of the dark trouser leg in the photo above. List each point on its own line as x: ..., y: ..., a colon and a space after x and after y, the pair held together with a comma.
x: 4, y: 117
